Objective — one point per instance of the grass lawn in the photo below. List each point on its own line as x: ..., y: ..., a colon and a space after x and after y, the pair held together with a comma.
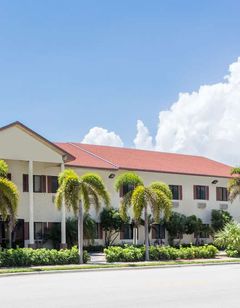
x: 83, y: 267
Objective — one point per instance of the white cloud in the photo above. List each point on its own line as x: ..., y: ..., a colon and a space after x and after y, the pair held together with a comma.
x: 205, y: 122
x: 101, y: 136
x: 143, y: 139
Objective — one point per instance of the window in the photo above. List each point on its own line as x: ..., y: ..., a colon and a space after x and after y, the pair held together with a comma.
x: 158, y: 231
x: 39, y: 230
x: 25, y: 183
x: 176, y: 191
x: 99, y: 231
x: 52, y: 184
x: 201, y: 192
x: 39, y: 183
x: 125, y: 189
x: 222, y: 194
x: 126, y: 232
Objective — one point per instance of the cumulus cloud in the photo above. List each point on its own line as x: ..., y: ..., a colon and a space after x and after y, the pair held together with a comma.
x: 143, y: 139
x: 205, y: 122
x: 101, y: 136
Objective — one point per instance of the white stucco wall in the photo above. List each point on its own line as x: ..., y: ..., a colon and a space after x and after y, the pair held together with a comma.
x: 16, y: 144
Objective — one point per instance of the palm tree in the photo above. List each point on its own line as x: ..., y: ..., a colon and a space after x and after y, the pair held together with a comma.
x: 9, y: 197
x: 234, y: 184
x: 78, y: 193
x: 157, y: 196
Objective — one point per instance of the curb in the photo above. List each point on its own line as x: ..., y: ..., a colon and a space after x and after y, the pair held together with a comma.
x: 116, y: 269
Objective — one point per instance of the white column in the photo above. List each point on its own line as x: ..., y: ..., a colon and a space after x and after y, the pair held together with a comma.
x: 63, y: 221
x: 31, y: 204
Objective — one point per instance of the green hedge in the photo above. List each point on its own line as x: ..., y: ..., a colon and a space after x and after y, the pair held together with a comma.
x: 29, y: 256
x: 157, y: 253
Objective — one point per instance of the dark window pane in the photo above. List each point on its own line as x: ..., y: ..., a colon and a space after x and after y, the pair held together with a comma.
x: 201, y: 192
x: 52, y: 184
x: 175, y: 191
x: 126, y: 188
x: 128, y: 232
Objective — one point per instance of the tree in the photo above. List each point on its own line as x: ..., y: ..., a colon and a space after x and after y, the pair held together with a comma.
x: 112, y: 223
x: 176, y: 226
x: 219, y: 219
x: 193, y: 224
x: 156, y: 197
x: 234, y: 184
x: 80, y: 193
x: 9, y: 197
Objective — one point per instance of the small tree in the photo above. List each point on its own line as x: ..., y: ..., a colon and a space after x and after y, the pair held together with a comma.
x: 157, y: 197
x: 111, y: 223
x: 176, y: 226
x: 219, y: 219
x: 80, y: 193
x: 194, y: 225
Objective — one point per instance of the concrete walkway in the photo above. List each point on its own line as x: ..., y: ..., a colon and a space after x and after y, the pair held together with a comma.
x: 97, y: 258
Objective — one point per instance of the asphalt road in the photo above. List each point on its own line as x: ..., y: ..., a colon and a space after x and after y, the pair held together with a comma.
x: 206, y: 286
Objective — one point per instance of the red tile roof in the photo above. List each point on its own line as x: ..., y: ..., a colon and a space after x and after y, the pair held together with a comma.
x: 106, y: 157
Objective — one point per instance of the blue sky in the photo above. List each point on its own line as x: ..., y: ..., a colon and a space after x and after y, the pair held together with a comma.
x: 67, y: 66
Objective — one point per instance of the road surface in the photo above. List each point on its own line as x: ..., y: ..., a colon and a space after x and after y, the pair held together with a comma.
x: 182, y: 287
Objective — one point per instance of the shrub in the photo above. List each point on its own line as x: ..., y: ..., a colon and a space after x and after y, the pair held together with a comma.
x: 29, y: 257
x: 229, y: 237
x: 157, y: 253
x: 233, y: 253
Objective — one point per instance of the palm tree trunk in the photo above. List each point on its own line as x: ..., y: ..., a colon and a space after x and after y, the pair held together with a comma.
x: 80, y: 232
x: 135, y: 230
x: 146, y: 235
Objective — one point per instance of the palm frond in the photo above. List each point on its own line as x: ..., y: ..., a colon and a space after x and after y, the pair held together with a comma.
x: 3, y: 169
x: 138, y: 201
x: 233, y: 188
x: 235, y: 171
x: 96, y: 183
x: 68, y: 190
x: 127, y: 178
x: 162, y: 187
x: 9, y: 197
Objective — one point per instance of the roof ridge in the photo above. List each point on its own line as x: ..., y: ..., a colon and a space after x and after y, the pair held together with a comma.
x: 94, y: 155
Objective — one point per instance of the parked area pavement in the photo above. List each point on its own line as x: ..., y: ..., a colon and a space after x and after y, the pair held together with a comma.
x: 207, y: 286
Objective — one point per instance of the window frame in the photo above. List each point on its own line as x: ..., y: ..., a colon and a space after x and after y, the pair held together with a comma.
x: 201, y: 192
x: 221, y: 194
x: 178, y: 190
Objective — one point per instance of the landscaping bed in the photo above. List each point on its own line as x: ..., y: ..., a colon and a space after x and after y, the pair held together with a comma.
x: 158, y: 253
x: 30, y: 257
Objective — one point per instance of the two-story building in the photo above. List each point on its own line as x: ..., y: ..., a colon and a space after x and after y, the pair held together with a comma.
x: 198, y: 183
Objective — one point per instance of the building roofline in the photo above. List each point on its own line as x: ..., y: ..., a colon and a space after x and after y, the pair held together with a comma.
x: 67, y: 157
